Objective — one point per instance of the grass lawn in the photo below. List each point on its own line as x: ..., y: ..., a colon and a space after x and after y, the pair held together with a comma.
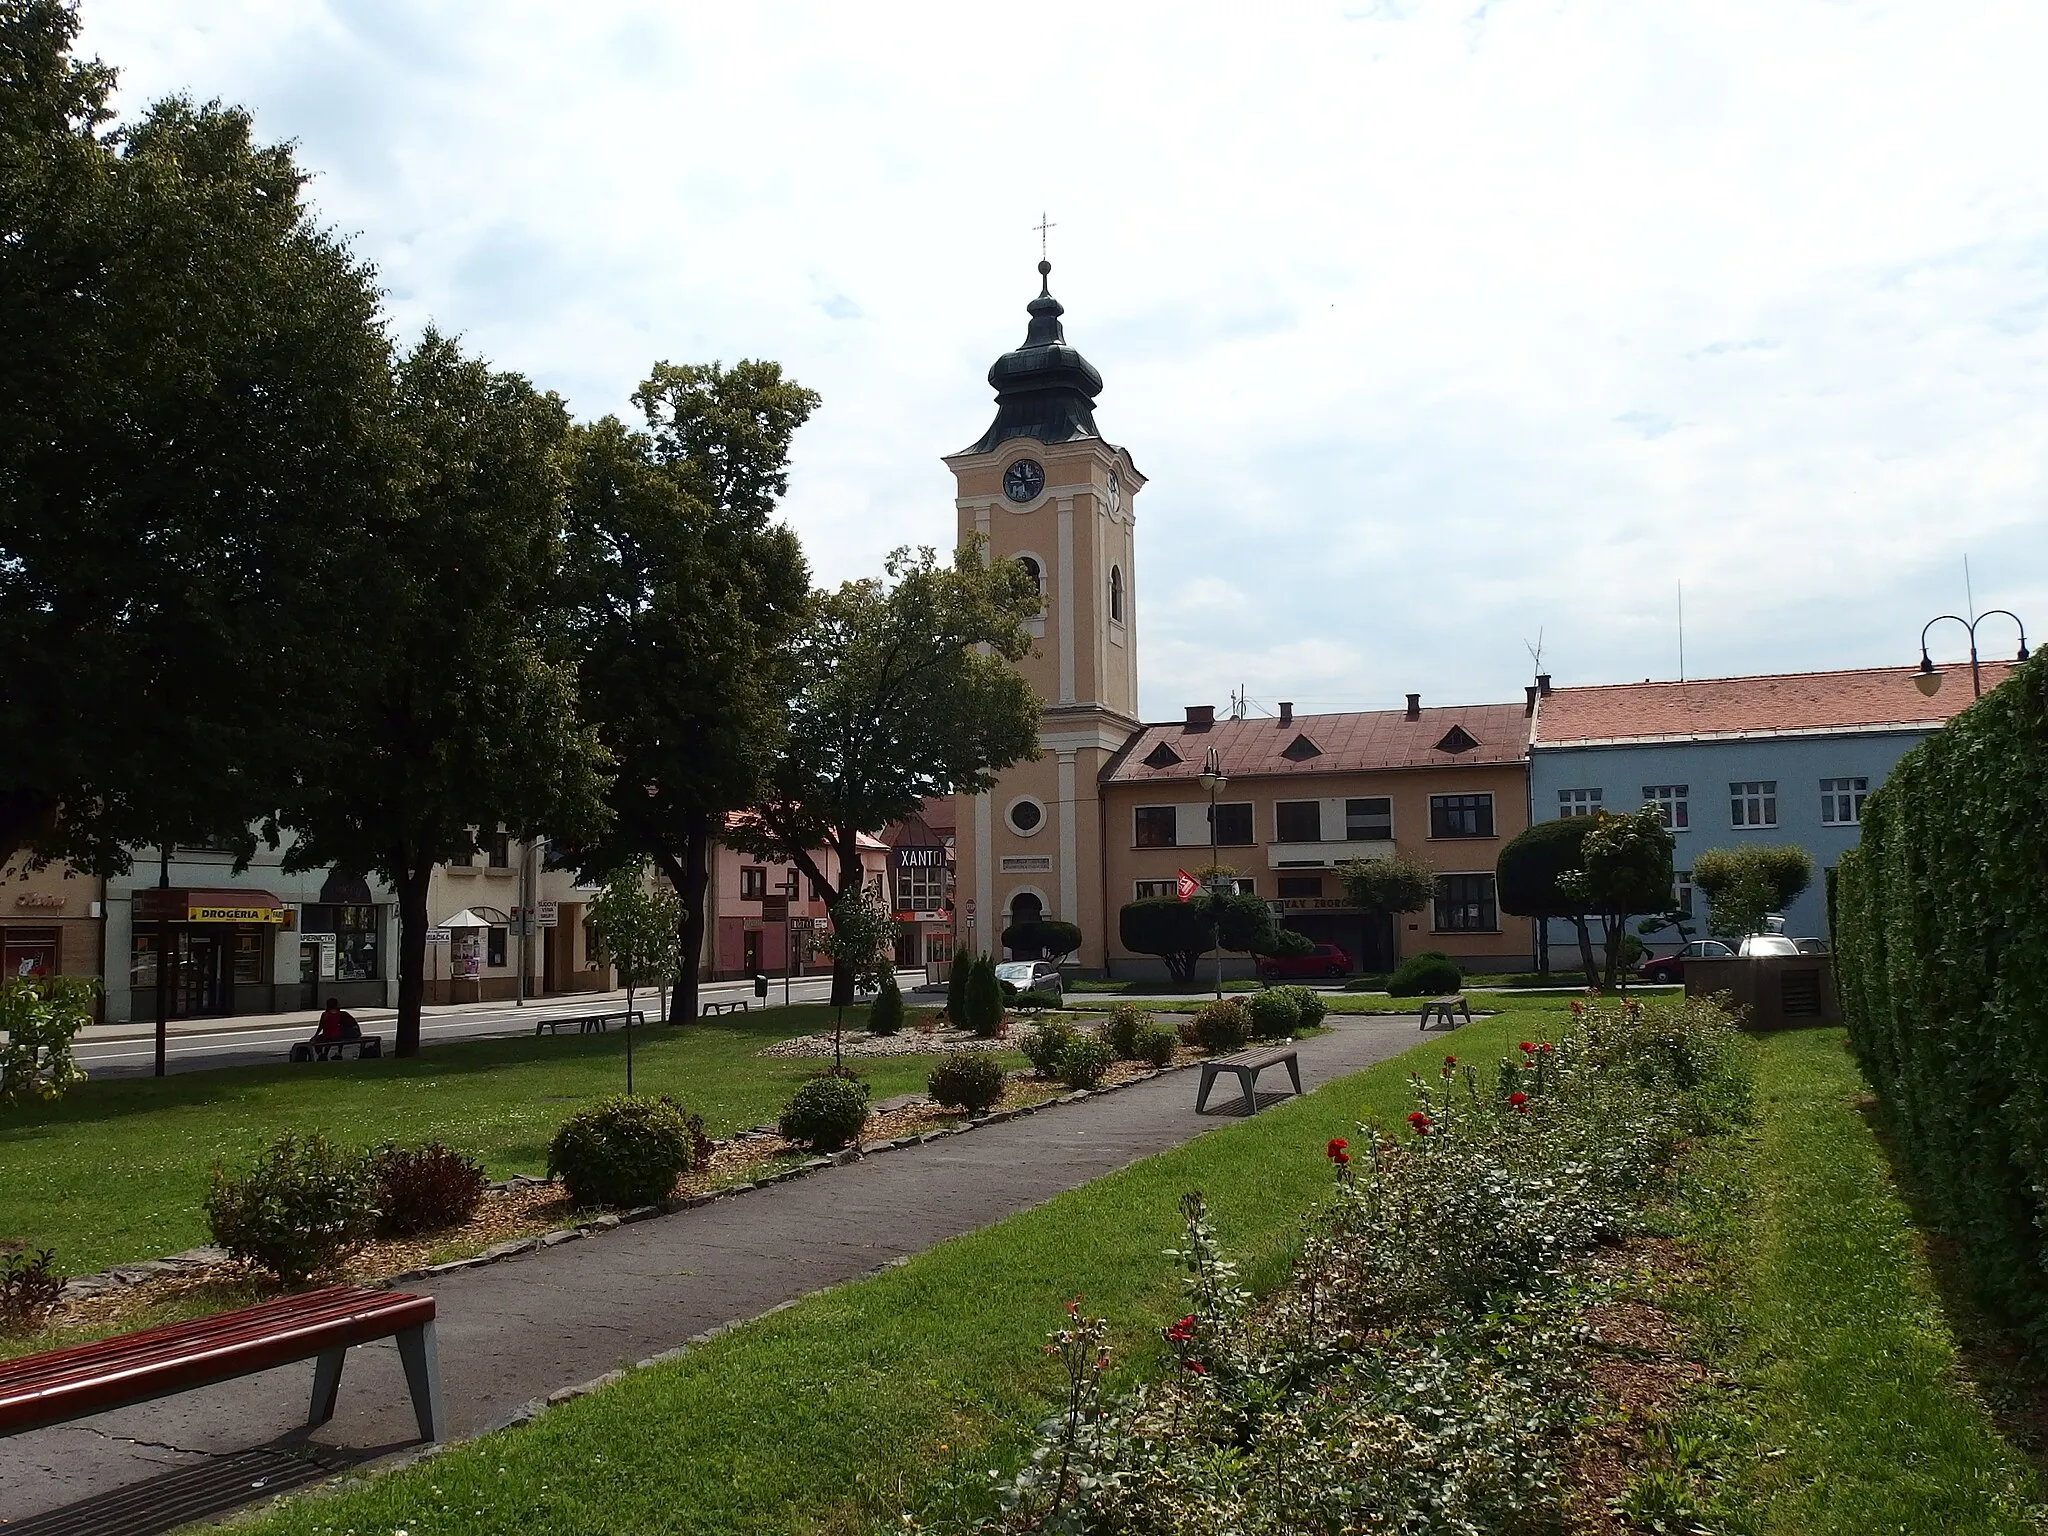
x: 1856, y: 1414
x: 889, y: 1394
x: 116, y: 1171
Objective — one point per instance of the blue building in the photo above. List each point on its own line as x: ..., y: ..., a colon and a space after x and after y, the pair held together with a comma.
x: 1788, y: 758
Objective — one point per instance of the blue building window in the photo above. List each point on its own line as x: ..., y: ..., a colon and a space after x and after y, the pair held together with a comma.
x: 1577, y: 802
x: 1753, y: 803
x: 1670, y: 800
x: 1841, y: 801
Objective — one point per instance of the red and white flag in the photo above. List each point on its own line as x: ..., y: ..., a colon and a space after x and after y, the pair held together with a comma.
x: 1186, y: 885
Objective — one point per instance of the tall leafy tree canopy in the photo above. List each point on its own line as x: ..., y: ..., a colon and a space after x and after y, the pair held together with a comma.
x: 904, y: 690
x: 194, y: 391
x: 683, y: 598
x: 451, y: 705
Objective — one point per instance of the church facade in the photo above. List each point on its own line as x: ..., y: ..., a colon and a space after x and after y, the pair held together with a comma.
x: 1093, y: 822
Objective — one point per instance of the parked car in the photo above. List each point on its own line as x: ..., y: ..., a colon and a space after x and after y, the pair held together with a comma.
x: 1032, y: 976
x: 1672, y: 967
x: 1768, y: 944
x: 1323, y: 960
x: 1815, y: 947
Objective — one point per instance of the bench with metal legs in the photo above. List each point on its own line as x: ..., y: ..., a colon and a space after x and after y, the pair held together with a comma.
x: 1246, y: 1066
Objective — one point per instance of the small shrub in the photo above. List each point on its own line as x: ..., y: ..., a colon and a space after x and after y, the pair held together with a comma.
x: 968, y: 1080
x: 624, y: 1150
x: 827, y: 1113
x: 304, y: 1208
x: 1155, y: 1043
x: 1125, y: 1020
x: 1187, y: 1033
x: 1310, y: 1002
x: 1035, y: 1000
x: 1086, y: 1060
x: 956, y: 987
x: 1044, y: 1046
x: 1275, y: 1015
x: 1223, y: 1026
x: 1428, y: 974
x: 30, y: 1289
x: 424, y: 1189
x: 885, y: 1013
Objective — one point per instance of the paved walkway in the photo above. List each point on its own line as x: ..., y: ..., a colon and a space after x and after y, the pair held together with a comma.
x: 526, y: 1327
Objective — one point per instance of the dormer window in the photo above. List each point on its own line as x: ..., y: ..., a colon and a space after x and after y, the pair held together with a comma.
x: 1300, y: 750
x: 1457, y: 739
x: 1161, y: 756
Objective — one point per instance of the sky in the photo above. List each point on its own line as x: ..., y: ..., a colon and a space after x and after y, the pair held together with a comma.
x: 1437, y: 329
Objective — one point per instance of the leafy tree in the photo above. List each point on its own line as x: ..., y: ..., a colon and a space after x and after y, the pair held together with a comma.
x: 193, y: 397
x: 1624, y: 868
x: 862, y: 944
x: 684, y: 598
x: 451, y: 713
x: 38, y: 1018
x: 1745, y: 883
x: 904, y: 691
x: 1049, y: 936
x: 1529, y: 880
x: 635, y: 925
x: 1178, y: 932
x: 1387, y: 887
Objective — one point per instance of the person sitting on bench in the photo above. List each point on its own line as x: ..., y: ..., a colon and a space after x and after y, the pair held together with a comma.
x: 336, y: 1024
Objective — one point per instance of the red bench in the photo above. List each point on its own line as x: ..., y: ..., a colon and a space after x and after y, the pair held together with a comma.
x: 67, y: 1384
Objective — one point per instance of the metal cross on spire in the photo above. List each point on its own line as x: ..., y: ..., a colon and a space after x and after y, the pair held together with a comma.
x: 1042, y: 226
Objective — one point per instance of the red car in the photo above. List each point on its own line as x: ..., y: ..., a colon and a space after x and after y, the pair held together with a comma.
x: 1323, y: 960
x: 1669, y: 968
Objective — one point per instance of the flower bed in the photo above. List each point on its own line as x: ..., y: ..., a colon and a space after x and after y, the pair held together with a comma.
x: 1421, y: 1370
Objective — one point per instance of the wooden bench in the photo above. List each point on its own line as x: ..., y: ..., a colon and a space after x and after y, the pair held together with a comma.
x: 1247, y: 1065
x: 66, y: 1384
x: 737, y: 1005
x: 367, y: 1048
x: 590, y: 1023
x: 1441, y: 1009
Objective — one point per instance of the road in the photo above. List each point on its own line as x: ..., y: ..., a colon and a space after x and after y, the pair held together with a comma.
x: 197, y: 1045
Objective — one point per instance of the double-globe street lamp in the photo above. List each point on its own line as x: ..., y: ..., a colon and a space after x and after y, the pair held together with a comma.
x: 1213, y: 780
x: 1928, y: 680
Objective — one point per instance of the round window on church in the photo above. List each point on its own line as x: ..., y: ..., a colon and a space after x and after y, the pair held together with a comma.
x: 1025, y: 816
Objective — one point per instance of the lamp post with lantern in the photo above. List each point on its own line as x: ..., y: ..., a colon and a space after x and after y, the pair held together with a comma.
x: 1213, y: 780
x: 1928, y: 680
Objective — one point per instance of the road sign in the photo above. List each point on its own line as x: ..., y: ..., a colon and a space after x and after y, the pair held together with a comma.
x: 550, y: 913
x: 970, y: 909
x: 1185, y: 885
x: 439, y: 935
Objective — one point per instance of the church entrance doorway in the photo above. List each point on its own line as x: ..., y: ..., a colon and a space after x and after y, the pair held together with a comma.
x: 1025, y: 908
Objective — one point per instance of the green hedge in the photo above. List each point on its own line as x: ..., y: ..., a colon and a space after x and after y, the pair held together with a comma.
x: 1942, y: 917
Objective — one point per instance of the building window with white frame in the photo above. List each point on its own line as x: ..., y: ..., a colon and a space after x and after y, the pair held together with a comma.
x: 1577, y: 802
x: 1681, y: 892
x: 1841, y: 801
x: 1148, y: 890
x: 1753, y: 803
x: 1671, y: 803
x: 1465, y: 904
x: 1461, y: 816
x: 921, y: 887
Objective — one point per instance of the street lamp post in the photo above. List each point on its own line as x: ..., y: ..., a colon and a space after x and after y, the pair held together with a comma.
x: 1928, y: 680
x: 1213, y: 781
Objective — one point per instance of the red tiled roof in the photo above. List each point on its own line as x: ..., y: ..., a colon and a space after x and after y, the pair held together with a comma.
x: 1352, y: 743
x: 1870, y: 699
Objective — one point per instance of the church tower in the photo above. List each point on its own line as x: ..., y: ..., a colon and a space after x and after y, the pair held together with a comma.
x: 1043, y: 488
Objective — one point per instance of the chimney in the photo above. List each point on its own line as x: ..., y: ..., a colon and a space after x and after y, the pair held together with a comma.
x: 1414, y: 706
x: 1286, y: 712
x: 1201, y: 716
x: 1543, y: 685
x: 1529, y: 705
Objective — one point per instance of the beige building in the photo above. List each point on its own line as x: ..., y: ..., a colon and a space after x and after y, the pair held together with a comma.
x: 1044, y: 488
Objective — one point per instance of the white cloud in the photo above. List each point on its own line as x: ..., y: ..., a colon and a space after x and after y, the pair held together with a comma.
x: 1432, y: 326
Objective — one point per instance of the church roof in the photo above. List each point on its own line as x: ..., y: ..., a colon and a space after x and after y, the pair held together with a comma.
x: 1045, y: 389
x: 1348, y: 743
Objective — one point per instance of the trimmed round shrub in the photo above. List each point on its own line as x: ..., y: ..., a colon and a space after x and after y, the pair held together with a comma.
x: 1223, y: 1026
x: 424, y: 1189
x: 969, y: 1080
x: 827, y: 1113
x: 1086, y: 1060
x: 625, y: 1150
x: 1155, y: 1043
x: 885, y: 1013
x: 304, y: 1207
x: 1428, y: 974
x: 1274, y: 1014
x: 1125, y: 1020
x: 1310, y: 1002
x: 1035, y: 1000
x: 1044, y: 1046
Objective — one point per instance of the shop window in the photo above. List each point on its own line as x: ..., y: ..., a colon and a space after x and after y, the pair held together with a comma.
x: 29, y: 956
x: 142, y: 958
x: 1234, y: 824
x: 357, y: 938
x: 247, y: 959
x: 494, y: 947
x: 1298, y: 821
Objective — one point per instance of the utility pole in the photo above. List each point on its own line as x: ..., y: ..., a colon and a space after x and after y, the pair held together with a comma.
x: 163, y: 955
x: 525, y: 916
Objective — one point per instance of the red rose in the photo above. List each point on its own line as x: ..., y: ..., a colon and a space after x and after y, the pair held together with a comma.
x: 1336, y: 1147
x: 1450, y: 1061
x: 1195, y: 1366
x: 1182, y: 1331
x: 1546, y: 1047
x: 1340, y: 1158
x: 1519, y: 1103
x: 1526, y: 1046
x: 1419, y: 1123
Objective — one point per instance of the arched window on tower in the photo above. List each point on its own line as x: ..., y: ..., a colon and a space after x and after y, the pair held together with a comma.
x: 1116, y: 594
x: 1037, y: 574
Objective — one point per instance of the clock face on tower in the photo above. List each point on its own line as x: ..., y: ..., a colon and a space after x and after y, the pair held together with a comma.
x: 1023, y: 480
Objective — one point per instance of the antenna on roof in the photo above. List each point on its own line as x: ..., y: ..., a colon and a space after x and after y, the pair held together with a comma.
x: 1681, y: 629
x: 1535, y: 651
x: 1969, y: 596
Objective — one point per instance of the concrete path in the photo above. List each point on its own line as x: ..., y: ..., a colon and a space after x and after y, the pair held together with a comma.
x: 526, y: 1327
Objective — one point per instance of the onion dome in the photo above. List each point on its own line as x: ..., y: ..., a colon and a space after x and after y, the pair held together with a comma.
x: 1045, y: 389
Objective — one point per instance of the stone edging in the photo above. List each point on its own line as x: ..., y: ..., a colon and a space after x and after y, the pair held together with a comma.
x: 121, y: 1276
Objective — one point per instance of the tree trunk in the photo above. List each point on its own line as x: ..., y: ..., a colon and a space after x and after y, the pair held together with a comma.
x: 849, y: 880
x: 1586, y: 950
x: 691, y: 876
x: 411, y: 884
x: 1617, y: 942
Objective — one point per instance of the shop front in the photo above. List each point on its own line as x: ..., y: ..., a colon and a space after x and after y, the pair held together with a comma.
x: 216, y: 947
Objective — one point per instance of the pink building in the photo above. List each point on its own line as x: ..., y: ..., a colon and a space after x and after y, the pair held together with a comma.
x: 748, y: 933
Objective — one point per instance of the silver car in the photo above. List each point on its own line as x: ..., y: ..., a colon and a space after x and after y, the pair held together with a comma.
x: 1033, y: 976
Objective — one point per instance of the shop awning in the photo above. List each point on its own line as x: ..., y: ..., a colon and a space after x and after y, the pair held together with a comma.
x: 194, y: 904
x: 474, y: 917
